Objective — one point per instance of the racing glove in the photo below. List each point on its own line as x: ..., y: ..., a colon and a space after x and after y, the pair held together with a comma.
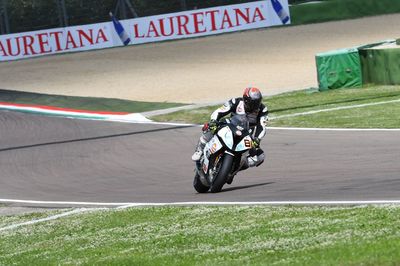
x: 255, y: 143
x: 213, y: 125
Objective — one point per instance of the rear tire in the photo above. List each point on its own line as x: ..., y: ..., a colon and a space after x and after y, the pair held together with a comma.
x: 223, y: 173
x: 198, y: 186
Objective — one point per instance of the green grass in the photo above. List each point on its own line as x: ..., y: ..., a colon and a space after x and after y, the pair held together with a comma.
x: 371, y: 117
x: 82, y: 103
x: 341, y: 9
x: 255, y: 235
x: 380, y: 116
x: 6, y: 220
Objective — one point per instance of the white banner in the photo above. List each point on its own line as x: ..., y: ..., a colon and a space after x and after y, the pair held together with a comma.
x: 59, y: 40
x: 180, y: 25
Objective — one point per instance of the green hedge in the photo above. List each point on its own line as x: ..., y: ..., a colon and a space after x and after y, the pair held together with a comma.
x: 342, y: 9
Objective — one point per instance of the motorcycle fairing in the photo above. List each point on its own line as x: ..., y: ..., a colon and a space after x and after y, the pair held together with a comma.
x: 211, y: 147
x: 244, y: 144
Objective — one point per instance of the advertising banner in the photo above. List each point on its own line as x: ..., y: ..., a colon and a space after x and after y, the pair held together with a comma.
x: 188, y: 24
x: 203, y: 22
x: 59, y: 40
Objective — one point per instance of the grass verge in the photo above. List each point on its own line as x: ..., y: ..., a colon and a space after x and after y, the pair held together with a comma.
x: 380, y: 116
x: 341, y: 9
x: 82, y: 103
x: 256, y: 235
x: 6, y: 220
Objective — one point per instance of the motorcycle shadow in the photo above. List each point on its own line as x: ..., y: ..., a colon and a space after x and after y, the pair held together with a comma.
x: 245, y: 187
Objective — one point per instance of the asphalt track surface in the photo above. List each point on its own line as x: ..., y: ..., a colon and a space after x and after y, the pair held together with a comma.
x: 60, y: 159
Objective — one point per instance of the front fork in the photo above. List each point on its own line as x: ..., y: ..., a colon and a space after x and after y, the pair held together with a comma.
x: 207, y: 179
x: 214, y: 170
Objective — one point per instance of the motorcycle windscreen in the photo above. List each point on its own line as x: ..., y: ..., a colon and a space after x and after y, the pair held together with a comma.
x: 226, y: 136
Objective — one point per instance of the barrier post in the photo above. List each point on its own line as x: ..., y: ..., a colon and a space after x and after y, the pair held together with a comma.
x: 130, y: 6
x: 64, y: 11
x: 5, y: 23
x: 183, y: 5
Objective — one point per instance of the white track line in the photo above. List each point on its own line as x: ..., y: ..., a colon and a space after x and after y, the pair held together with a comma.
x: 269, y: 203
x: 281, y: 128
x: 138, y: 204
x: 66, y: 203
x: 309, y: 113
x: 54, y: 217
x: 334, y: 109
x: 334, y: 129
x: 158, y: 123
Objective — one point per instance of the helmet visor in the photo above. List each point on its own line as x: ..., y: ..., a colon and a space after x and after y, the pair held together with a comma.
x: 251, y: 105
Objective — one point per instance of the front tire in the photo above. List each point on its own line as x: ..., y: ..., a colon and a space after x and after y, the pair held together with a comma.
x: 220, y: 180
x: 198, y: 185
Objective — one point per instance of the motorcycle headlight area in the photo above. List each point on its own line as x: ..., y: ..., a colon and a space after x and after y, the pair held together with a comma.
x: 244, y: 144
x: 226, y: 136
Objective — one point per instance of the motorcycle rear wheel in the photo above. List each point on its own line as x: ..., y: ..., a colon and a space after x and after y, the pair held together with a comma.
x: 222, y: 176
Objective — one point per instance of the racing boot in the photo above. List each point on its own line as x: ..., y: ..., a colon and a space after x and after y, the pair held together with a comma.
x: 255, y: 159
x: 252, y: 161
x: 197, y: 154
x: 199, y: 149
x: 205, y: 137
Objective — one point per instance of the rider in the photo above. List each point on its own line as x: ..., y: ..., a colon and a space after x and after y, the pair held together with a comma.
x: 257, y: 113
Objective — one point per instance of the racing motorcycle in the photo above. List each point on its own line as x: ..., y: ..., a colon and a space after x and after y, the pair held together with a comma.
x: 224, y: 155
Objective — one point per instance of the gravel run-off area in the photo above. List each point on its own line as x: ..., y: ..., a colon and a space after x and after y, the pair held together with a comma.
x: 202, y: 70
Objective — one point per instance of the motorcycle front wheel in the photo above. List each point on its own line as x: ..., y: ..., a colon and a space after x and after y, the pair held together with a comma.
x: 220, y: 180
x: 198, y: 185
